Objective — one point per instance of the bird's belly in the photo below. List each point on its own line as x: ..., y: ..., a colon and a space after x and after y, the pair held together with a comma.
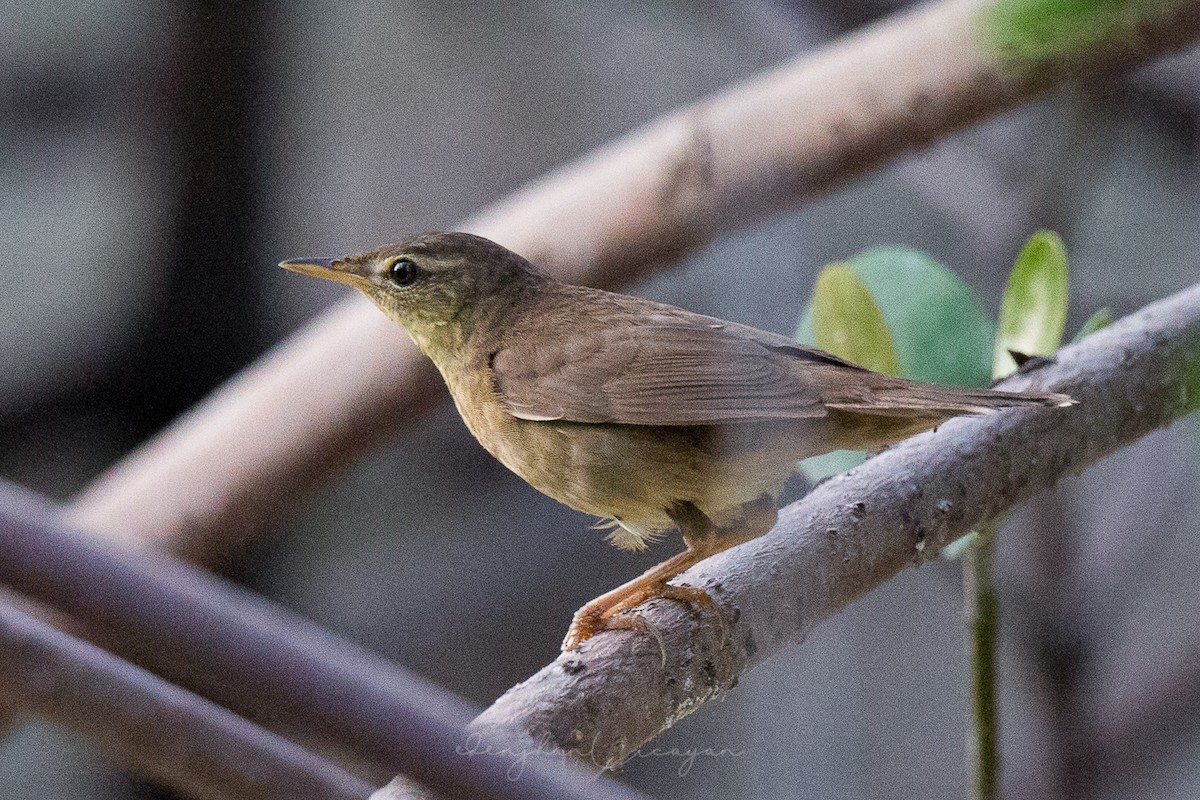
x: 634, y: 473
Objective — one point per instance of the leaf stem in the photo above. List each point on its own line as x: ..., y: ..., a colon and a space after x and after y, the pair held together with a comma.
x: 981, y: 612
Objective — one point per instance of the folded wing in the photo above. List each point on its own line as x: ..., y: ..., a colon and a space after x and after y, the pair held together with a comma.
x: 657, y: 374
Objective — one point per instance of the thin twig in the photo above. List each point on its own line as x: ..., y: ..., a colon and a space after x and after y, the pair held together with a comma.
x: 351, y: 378
x: 271, y: 666
x: 164, y: 732
x: 852, y: 533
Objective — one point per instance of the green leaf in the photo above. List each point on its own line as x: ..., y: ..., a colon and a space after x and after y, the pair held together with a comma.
x: 835, y: 462
x: 1033, y: 312
x: 1101, y: 319
x: 1027, y: 33
x: 847, y: 323
x: 938, y: 328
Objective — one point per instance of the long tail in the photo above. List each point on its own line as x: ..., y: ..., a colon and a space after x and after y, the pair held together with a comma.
x: 900, y: 398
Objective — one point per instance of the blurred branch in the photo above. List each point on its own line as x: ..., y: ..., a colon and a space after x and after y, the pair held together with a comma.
x: 1170, y: 91
x: 257, y: 659
x: 159, y: 729
x: 1042, y: 601
x: 955, y: 178
x: 352, y: 378
x: 1147, y: 712
x: 852, y: 533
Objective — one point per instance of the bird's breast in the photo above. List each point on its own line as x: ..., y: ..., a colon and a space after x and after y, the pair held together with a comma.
x: 552, y: 456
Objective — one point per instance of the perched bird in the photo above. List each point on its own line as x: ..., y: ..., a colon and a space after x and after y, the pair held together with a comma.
x: 649, y: 416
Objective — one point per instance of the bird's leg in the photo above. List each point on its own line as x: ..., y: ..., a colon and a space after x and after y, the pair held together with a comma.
x: 702, y: 539
x: 594, y: 615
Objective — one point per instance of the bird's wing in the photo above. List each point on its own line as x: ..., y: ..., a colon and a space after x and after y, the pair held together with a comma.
x: 670, y: 373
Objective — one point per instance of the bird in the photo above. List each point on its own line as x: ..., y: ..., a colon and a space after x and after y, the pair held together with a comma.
x: 651, y: 417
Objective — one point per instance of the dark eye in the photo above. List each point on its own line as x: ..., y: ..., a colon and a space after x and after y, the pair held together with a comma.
x: 402, y: 272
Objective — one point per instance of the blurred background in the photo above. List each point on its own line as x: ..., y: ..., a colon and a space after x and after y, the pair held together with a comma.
x: 158, y: 159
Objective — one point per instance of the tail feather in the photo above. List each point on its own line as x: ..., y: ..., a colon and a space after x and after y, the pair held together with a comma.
x: 912, y: 399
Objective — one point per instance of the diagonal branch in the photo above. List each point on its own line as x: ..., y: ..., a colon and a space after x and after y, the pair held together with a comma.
x: 853, y: 533
x: 163, y: 731
x: 351, y: 378
x: 263, y: 662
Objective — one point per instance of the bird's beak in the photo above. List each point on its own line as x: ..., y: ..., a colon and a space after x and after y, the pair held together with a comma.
x: 331, y: 269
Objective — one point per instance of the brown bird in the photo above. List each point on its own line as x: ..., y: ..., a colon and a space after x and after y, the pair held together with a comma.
x: 646, y: 415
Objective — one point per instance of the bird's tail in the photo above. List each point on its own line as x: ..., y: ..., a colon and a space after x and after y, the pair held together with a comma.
x: 899, y: 398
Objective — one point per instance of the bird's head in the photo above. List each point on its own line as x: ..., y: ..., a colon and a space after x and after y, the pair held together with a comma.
x: 441, y: 287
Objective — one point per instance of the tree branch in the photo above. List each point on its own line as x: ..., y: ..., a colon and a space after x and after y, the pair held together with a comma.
x: 159, y: 729
x: 263, y: 662
x: 350, y: 378
x: 851, y: 534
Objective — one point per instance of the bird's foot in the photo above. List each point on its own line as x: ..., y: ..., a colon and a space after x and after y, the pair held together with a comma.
x: 622, y: 622
x: 584, y: 625
x: 590, y: 620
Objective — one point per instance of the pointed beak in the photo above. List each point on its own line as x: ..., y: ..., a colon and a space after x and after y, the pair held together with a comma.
x: 331, y: 269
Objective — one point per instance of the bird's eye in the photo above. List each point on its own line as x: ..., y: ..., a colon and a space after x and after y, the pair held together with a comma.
x: 402, y: 272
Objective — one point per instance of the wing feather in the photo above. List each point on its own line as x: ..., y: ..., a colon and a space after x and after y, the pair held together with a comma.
x: 661, y: 373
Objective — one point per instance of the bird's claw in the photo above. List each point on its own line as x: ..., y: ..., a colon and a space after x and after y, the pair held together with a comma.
x: 587, y: 622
